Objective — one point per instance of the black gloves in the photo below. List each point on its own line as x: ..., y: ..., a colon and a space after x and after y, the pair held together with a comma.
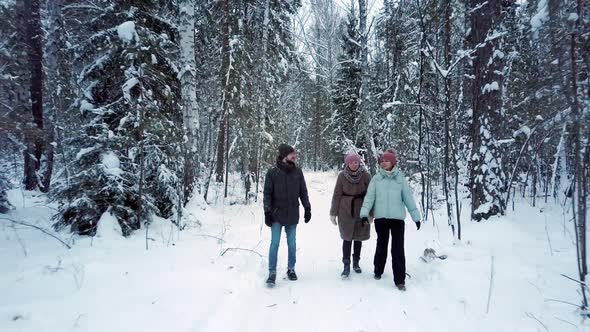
x: 307, y: 216
x: 417, y: 225
x: 364, y: 221
x: 268, y: 219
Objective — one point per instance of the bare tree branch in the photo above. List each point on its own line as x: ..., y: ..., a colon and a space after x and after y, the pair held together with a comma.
x: 38, y: 228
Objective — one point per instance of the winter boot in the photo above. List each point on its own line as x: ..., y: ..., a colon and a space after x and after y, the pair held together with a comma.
x: 356, y: 267
x: 401, y: 287
x: 272, y: 277
x: 291, y: 275
x: 377, y: 277
x: 346, y: 272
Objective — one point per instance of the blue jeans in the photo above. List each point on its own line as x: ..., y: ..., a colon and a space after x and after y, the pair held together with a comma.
x: 274, y: 246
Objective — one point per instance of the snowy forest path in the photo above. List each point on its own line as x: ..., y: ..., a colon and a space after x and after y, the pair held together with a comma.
x: 211, y: 276
x: 446, y: 295
x: 320, y: 300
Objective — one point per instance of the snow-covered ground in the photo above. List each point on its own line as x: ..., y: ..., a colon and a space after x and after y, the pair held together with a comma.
x: 211, y: 277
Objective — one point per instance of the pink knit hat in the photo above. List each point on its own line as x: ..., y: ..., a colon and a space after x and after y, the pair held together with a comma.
x: 352, y: 157
x: 390, y: 156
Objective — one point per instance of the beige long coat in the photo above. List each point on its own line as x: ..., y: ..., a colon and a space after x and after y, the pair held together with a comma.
x: 346, y: 205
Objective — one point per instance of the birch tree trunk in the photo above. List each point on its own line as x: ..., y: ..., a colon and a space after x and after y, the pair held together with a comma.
x: 190, y: 111
x: 57, y: 86
x: 363, y: 93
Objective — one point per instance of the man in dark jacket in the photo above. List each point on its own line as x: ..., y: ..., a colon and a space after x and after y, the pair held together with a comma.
x: 284, y: 186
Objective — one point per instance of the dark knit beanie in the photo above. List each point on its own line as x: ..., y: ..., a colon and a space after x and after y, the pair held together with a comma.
x: 285, y: 150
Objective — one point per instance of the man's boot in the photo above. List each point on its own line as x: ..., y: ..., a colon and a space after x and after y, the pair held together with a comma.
x: 291, y: 275
x: 272, y: 277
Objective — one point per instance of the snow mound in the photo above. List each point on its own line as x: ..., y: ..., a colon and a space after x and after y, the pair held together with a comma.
x: 111, y: 163
x: 108, y: 227
x: 84, y: 151
x: 490, y: 87
x: 541, y: 16
x: 85, y: 105
x: 573, y: 17
x: 126, y: 31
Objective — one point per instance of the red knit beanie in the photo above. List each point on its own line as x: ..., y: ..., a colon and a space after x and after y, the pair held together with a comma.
x: 352, y: 157
x: 390, y: 156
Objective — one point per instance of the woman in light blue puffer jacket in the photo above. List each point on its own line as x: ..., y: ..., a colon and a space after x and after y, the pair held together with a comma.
x: 388, y: 196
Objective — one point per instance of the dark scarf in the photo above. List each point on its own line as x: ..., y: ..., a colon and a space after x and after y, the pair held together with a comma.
x: 285, y: 166
x: 354, y: 177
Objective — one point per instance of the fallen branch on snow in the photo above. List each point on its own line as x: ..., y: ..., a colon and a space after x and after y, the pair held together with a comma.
x: 572, y: 279
x: 242, y: 249
x: 211, y: 236
x: 565, y: 321
x: 38, y: 228
x: 491, y: 285
x: 535, y: 318
x: 560, y: 301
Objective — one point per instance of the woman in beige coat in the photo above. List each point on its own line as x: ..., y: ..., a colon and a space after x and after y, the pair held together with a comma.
x: 350, y: 190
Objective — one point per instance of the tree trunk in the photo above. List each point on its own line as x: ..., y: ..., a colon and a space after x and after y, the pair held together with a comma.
x: 58, y: 88
x: 363, y: 111
x: 221, y: 142
x: 35, y: 140
x: 486, y: 102
x: 187, y: 75
x: 446, y: 167
x: 579, y: 198
x: 226, y: 71
x: 421, y: 120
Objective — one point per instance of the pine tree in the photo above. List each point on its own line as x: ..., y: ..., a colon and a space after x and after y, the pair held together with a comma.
x: 347, y: 89
x: 14, y: 75
x: 14, y: 92
x: 129, y: 147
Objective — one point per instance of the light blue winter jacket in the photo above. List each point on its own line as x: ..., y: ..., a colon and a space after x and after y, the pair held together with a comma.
x: 389, y: 195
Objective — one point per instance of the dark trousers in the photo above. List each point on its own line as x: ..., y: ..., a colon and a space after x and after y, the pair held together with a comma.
x: 346, y: 248
x: 398, y: 258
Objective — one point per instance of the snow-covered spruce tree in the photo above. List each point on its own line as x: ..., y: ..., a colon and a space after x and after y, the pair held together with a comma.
x: 256, y: 61
x: 405, y: 64
x: 14, y: 92
x: 128, y: 157
x: 347, y: 86
x: 208, y: 42
x: 5, y: 205
x: 231, y: 51
x: 14, y: 75
x: 528, y: 83
x: 21, y: 84
x: 323, y: 42
x: 275, y: 68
